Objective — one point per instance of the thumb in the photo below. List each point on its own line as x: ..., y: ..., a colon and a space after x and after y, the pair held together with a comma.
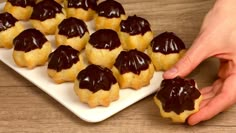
x: 199, y: 51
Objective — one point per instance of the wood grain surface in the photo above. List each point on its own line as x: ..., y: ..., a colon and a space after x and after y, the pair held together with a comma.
x: 25, y: 108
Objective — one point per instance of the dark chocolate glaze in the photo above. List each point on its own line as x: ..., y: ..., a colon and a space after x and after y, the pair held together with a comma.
x: 110, y: 9
x: 178, y: 94
x: 28, y: 40
x: 132, y: 61
x: 95, y: 78
x: 134, y: 25
x: 167, y: 43
x: 22, y: 3
x: 105, y: 39
x: 63, y: 58
x: 72, y: 27
x: 7, y: 21
x: 46, y: 9
x: 85, y: 4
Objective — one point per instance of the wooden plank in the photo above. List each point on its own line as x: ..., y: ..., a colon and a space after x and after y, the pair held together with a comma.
x: 25, y: 108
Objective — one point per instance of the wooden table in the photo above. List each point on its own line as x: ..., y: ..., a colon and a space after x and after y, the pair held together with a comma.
x: 25, y: 108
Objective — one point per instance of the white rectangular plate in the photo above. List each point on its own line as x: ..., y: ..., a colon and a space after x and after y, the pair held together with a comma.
x: 65, y: 95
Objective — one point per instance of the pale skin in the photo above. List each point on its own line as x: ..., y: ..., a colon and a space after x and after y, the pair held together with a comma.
x: 217, y: 38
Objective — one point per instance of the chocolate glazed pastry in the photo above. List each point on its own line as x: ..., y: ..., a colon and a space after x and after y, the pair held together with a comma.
x: 135, y: 33
x: 178, y: 94
x: 7, y: 21
x: 72, y: 32
x: 133, y: 69
x: 64, y: 64
x: 95, y: 77
x: 72, y: 27
x: 28, y: 40
x: 28, y: 45
x: 165, y: 50
x: 96, y: 85
x: 103, y: 47
x: 109, y: 15
x: 45, y: 10
x: 58, y: 1
x: 22, y: 3
x: 132, y: 61
x: 178, y: 98
x: 85, y: 4
x: 81, y: 9
x: 63, y: 58
x: 105, y: 39
x: 167, y: 43
x: 110, y: 9
x: 46, y: 16
x: 134, y: 25
x: 20, y: 9
x: 10, y: 27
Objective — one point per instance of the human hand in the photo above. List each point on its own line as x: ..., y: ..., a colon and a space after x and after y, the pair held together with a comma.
x: 217, y: 38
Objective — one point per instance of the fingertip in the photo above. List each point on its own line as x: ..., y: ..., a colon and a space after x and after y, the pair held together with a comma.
x: 192, y: 120
x: 182, y: 68
x: 202, y: 115
x: 171, y: 73
x: 197, y: 117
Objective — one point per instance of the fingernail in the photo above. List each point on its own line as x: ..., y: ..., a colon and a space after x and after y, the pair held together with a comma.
x: 172, y: 71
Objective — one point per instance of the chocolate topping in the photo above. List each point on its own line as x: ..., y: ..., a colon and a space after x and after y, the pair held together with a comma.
x: 85, y: 4
x: 22, y: 3
x: 134, y: 25
x: 46, y: 9
x: 132, y: 61
x: 110, y: 9
x: 72, y: 27
x: 105, y: 39
x: 178, y: 94
x: 95, y: 78
x: 167, y: 43
x: 7, y: 21
x: 63, y: 58
x: 28, y: 40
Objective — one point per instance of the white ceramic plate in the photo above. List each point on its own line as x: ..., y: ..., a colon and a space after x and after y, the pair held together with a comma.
x: 64, y: 93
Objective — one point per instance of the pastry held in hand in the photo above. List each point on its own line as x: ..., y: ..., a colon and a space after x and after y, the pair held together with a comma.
x: 103, y: 47
x: 64, y: 64
x: 165, y: 50
x: 81, y: 9
x: 73, y: 32
x: 109, y: 15
x: 96, y: 85
x: 133, y: 69
x: 47, y: 15
x: 31, y: 49
x: 178, y: 98
x: 10, y: 27
x: 135, y: 33
x: 20, y: 9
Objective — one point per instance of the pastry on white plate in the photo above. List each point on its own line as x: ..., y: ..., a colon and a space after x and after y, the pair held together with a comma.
x: 165, y: 50
x: 31, y: 48
x: 81, y: 9
x: 46, y: 16
x: 20, y: 9
x: 96, y: 86
x: 133, y: 69
x: 109, y: 15
x: 64, y: 64
x: 10, y: 27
